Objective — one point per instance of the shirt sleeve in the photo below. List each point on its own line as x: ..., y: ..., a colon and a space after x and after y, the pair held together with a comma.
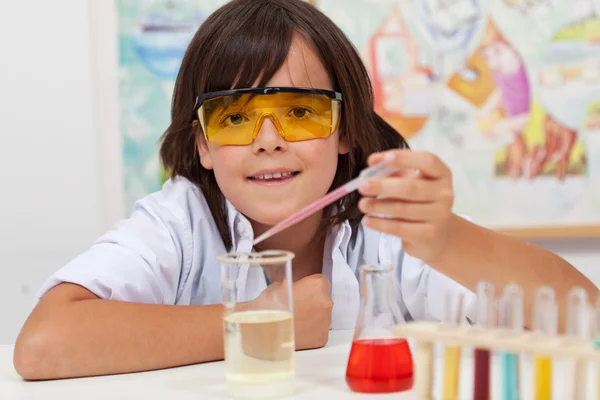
x: 424, y: 291
x: 140, y: 260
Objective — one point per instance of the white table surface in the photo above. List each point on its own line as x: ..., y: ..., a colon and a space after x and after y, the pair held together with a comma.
x: 320, y: 374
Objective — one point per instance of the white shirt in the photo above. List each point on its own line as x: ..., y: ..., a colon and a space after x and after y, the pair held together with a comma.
x: 166, y: 253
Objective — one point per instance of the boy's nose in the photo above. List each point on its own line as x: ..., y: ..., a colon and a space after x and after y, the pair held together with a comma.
x: 268, y: 138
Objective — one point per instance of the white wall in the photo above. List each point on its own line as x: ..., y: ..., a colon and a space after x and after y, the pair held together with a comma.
x: 49, y: 208
x: 582, y: 253
x: 59, y: 146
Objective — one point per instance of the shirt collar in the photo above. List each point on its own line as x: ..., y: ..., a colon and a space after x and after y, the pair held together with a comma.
x: 344, y: 284
x: 240, y: 228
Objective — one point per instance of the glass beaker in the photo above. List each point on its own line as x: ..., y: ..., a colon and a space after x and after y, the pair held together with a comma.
x: 379, y: 361
x: 258, y: 324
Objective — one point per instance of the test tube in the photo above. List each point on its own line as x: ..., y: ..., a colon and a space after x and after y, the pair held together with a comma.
x: 484, y: 317
x: 544, y: 321
x: 452, y: 351
x: 578, y: 325
x: 511, y: 317
x: 424, y: 370
x: 597, y: 343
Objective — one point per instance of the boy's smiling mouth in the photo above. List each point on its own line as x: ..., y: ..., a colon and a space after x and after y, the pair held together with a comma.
x: 273, y: 177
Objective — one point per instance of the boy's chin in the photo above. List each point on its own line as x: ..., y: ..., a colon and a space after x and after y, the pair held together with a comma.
x: 271, y: 217
x: 270, y: 214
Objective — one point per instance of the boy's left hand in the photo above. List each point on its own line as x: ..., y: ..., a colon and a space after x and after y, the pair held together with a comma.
x: 416, y: 201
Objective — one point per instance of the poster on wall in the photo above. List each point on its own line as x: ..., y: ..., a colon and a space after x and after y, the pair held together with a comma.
x: 507, y: 92
x: 153, y: 36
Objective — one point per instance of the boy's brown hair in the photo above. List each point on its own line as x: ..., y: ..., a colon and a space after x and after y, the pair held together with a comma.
x: 247, y: 41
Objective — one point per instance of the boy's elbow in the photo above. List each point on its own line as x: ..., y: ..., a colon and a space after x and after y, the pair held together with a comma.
x: 43, y: 349
x: 34, y: 356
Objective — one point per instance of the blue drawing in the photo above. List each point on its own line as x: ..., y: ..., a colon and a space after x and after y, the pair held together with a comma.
x: 449, y: 23
x: 450, y: 27
x: 161, y: 40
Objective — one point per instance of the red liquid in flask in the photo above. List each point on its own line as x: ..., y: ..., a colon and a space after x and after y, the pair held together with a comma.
x: 380, y: 366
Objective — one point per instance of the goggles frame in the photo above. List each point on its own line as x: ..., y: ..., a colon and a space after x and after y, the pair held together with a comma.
x: 265, y: 90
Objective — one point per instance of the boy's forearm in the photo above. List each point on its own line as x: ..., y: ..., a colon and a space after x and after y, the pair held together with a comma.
x: 475, y: 253
x: 100, y: 337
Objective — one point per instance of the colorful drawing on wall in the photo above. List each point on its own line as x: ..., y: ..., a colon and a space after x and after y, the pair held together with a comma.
x: 153, y: 36
x: 507, y: 92
x: 532, y: 8
x: 402, y: 86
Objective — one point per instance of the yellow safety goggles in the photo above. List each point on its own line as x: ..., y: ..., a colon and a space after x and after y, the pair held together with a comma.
x: 234, y: 117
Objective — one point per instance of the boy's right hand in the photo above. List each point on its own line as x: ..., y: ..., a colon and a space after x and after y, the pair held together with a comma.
x: 312, y: 309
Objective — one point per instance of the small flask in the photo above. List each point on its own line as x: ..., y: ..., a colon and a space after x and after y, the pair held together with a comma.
x: 379, y: 361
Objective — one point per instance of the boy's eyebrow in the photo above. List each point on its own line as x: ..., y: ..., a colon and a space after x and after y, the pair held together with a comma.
x: 237, y: 106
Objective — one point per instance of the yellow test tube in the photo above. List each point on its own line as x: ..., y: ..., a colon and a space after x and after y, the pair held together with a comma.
x: 543, y: 378
x: 452, y: 352
x: 544, y: 321
x: 451, y: 372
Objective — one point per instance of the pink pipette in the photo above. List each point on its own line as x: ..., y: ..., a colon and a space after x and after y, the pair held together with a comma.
x: 376, y: 171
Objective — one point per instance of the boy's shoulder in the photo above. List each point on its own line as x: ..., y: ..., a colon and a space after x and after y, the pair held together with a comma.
x: 178, y: 197
x: 178, y: 188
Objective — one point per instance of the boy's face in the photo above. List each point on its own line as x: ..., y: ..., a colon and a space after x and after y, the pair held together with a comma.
x: 248, y: 175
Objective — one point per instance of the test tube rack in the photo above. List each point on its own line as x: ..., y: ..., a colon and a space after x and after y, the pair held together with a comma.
x: 426, y: 334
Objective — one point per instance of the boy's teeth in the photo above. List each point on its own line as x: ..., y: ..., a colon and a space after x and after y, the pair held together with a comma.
x: 276, y: 175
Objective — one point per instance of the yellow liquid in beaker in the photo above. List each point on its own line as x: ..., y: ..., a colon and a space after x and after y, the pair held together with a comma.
x: 259, y: 353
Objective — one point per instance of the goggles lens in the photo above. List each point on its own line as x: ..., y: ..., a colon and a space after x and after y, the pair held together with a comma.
x: 235, y: 119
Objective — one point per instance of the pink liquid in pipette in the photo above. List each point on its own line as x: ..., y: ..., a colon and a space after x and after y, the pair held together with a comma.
x: 377, y: 170
x: 305, y: 212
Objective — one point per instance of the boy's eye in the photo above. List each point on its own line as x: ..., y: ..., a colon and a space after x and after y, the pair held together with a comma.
x: 300, y: 112
x: 234, y: 119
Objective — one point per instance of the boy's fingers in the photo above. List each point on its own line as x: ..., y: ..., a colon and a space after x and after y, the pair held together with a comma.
x: 428, y: 165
